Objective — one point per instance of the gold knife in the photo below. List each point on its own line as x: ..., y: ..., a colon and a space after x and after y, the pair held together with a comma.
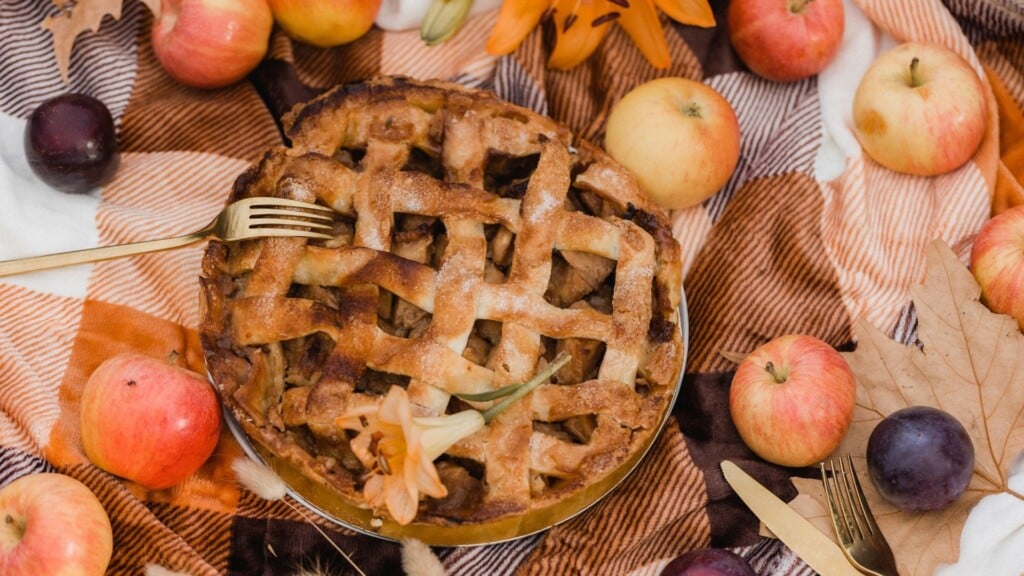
x: 802, y: 537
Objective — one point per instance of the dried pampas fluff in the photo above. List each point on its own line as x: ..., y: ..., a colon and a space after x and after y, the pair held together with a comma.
x: 156, y: 570
x: 313, y: 570
x: 419, y: 560
x: 259, y: 479
x: 265, y: 483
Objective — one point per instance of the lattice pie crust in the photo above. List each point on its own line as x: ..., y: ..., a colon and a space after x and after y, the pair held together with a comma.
x: 473, y: 241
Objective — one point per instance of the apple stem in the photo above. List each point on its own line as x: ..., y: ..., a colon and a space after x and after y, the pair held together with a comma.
x: 11, y: 532
x: 798, y: 6
x: 770, y: 368
x: 915, y: 78
x: 692, y: 109
x: 172, y: 358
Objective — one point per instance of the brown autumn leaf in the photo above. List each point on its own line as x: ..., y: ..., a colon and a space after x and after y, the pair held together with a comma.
x: 971, y: 365
x: 77, y: 16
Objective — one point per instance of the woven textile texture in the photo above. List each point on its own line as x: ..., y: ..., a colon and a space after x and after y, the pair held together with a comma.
x: 808, y: 236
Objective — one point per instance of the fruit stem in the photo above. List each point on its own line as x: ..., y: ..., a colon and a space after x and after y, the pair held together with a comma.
x: 798, y: 6
x: 11, y: 532
x: 172, y: 358
x: 692, y: 109
x: 915, y: 78
x: 774, y: 372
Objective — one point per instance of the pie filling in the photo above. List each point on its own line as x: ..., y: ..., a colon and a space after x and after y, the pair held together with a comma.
x: 473, y: 242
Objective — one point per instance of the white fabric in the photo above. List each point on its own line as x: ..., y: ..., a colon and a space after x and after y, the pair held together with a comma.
x: 837, y: 83
x: 36, y: 219
x: 992, y: 541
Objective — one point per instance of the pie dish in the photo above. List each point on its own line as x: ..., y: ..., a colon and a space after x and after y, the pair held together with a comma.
x: 473, y: 241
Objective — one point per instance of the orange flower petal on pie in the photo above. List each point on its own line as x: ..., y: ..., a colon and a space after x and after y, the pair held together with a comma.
x: 361, y: 447
x: 352, y: 418
x: 438, y: 433
x: 427, y: 479
x: 692, y: 12
x: 516, y: 18
x: 400, y: 499
x: 373, y: 491
x: 395, y: 408
x: 580, y: 26
x: 641, y: 23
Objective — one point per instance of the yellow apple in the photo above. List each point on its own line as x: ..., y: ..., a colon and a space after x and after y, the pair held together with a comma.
x: 678, y: 136
x: 920, y: 109
x: 325, y: 23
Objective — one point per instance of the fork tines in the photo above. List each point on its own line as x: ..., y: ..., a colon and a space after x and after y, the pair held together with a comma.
x: 846, y: 499
x: 859, y: 534
x: 269, y: 213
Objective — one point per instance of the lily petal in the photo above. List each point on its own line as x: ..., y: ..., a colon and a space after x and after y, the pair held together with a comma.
x: 361, y: 448
x: 439, y: 433
x: 429, y: 481
x: 421, y: 476
x: 692, y: 12
x: 352, y: 419
x: 516, y: 18
x: 400, y: 503
x: 374, y: 490
x: 395, y: 407
x: 580, y: 27
x: 641, y: 23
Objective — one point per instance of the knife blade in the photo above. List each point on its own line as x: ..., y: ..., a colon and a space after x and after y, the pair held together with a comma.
x: 813, y: 547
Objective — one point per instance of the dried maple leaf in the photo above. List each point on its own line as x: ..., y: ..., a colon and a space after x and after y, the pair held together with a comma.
x: 77, y: 16
x: 971, y: 364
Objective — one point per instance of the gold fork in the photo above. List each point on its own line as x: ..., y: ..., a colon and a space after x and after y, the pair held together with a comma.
x: 862, y: 541
x: 249, y: 218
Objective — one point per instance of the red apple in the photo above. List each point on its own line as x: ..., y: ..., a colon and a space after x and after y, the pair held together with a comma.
x: 678, y: 136
x: 997, y: 261
x: 786, y: 40
x: 920, y: 109
x: 149, y: 421
x: 792, y: 400
x: 53, y: 525
x: 325, y: 23
x: 211, y: 43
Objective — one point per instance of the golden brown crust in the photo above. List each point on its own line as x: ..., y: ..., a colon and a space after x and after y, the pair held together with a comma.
x: 473, y: 241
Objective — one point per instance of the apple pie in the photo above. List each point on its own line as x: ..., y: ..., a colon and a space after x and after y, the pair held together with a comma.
x: 472, y: 242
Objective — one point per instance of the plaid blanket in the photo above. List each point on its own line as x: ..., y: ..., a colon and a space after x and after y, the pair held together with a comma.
x: 808, y: 236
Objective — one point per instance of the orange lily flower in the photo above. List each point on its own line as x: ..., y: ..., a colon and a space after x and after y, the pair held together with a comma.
x: 399, y: 451
x: 580, y: 25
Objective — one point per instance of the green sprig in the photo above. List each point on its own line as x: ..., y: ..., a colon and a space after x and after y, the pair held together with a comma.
x: 515, y: 392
